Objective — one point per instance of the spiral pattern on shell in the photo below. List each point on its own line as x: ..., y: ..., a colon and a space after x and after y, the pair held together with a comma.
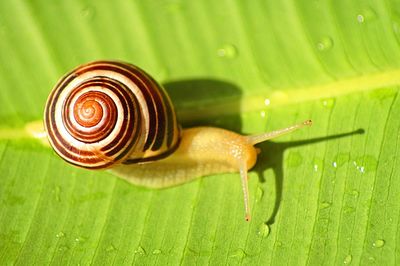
x: 108, y: 112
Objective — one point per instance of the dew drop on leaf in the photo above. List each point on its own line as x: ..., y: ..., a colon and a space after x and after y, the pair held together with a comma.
x: 88, y: 12
x: 80, y: 239
x: 267, y: 102
x: 342, y: 158
x: 379, y: 243
x: 263, y: 230
x: 325, y: 44
x: 325, y: 205
x: 359, y: 168
x: 60, y: 234
x: 328, y: 103
x: 347, y: 259
x: 317, y: 164
x: 63, y: 248
x: 259, y: 194
x: 140, y: 251
x: 110, y: 248
x: 227, y: 51
x: 157, y: 251
x: 371, y: 162
x: 355, y: 193
x: 366, y: 15
x: 239, y: 253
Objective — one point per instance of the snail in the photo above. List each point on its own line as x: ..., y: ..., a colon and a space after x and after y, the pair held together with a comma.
x: 113, y: 115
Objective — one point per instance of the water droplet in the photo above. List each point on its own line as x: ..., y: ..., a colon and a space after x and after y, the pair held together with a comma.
x: 361, y: 169
x: 278, y: 243
x: 80, y: 239
x: 355, y: 193
x: 328, y: 103
x: 325, y: 205
x: 379, y: 243
x: 347, y: 259
x: 140, y: 251
x: 88, y: 12
x: 227, y: 51
x: 60, y: 234
x: 157, y: 251
x: 342, y: 158
x: 111, y: 248
x: 366, y: 15
x: 267, y: 102
x: 371, y: 162
x: 371, y: 258
x: 334, y: 164
x: 262, y: 114
x: 317, y: 164
x: 294, y: 159
x: 325, y: 44
x: 259, y: 194
x: 263, y: 230
x: 63, y: 248
x: 239, y: 253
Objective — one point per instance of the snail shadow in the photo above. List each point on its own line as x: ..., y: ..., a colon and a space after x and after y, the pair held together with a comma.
x: 271, y: 157
x: 205, y: 101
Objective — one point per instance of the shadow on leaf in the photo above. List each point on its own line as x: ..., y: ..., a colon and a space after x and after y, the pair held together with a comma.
x: 203, y: 102
x: 271, y: 157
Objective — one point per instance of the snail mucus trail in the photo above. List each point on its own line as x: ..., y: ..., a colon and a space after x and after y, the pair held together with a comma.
x: 113, y: 115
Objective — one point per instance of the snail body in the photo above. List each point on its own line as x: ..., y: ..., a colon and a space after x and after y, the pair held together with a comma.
x: 113, y: 115
x: 202, y: 151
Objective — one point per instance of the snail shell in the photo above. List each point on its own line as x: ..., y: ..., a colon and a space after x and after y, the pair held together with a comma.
x: 104, y: 112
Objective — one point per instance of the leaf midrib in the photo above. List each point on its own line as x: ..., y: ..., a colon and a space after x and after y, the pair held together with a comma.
x: 289, y: 96
x: 277, y: 98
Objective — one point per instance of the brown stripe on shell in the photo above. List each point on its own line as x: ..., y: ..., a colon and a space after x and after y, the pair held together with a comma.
x: 158, y: 131
x: 163, y: 133
x: 147, y: 91
x: 110, y: 114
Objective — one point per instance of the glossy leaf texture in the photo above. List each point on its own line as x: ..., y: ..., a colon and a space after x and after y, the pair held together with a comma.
x: 326, y: 194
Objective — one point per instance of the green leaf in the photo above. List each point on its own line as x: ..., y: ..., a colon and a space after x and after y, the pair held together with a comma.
x: 325, y: 194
